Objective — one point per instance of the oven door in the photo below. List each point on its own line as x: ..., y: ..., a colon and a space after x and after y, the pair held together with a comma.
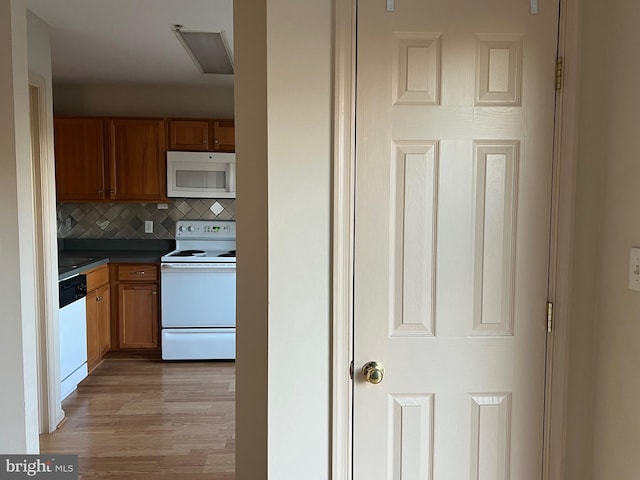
x: 198, y: 295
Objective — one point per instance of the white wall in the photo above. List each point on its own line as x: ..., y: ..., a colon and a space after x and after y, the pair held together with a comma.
x: 293, y: 95
x: 143, y: 100
x: 604, y: 428
x: 299, y: 93
x: 617, y: 386
x: 19, y: 401
x: 587, y: 235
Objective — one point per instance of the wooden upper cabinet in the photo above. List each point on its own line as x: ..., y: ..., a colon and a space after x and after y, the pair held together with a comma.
x: 189, y: 135
x: 80, y: 158
x: 224, y: 136
x: 124, y: 159
x: 202, y: 135
x: 137, y: 159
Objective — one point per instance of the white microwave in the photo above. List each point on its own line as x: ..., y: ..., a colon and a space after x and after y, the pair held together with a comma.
x: 201, y: 175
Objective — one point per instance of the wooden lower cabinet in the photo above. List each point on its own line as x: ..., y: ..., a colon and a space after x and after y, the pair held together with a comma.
x: 93, y: 349
x: 104, y: 319
x: 138, y: 315
x: 135, y: 323
x: 98, y: 316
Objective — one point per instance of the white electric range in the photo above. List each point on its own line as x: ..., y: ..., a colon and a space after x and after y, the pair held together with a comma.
x: 199, y: 292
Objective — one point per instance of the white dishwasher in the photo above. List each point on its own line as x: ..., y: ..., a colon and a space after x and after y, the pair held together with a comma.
x: 73, y: 333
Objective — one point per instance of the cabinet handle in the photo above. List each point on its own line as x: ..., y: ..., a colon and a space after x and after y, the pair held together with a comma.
x: 99, y: 299
x: 112, y: 191
x: 154, y: 293
x: 216, y: 141
x: 141, y: 272
x: 100, y: 191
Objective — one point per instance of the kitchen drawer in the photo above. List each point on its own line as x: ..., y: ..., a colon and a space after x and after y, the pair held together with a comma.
x: 138, y: 273
x: 97, y: 277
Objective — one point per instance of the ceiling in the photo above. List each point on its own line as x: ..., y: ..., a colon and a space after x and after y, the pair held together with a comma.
x: 130, y: 41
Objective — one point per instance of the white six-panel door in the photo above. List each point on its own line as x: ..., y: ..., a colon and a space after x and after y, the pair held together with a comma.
x: 454, y: 139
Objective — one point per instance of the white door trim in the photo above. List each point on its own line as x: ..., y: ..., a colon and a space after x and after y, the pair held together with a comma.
x: 46, y: 257
x: 565, y: 168
x: 343, y: 236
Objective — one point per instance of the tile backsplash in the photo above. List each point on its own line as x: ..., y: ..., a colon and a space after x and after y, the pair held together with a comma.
x: 126, y: 220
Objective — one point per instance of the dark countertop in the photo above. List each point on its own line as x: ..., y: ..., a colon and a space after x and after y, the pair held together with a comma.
x: 68, y: 267
x: 81, y: 255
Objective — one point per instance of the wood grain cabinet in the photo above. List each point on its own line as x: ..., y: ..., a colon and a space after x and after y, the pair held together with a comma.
x: 80, y: 159
x: 224, y: 136
x: 202, y: 135
x: 138, y: 306
x: 98, y: 316
x: 120, y: 159
x: 137, y: 159
x: 189, y: 135
x: 124, y: 159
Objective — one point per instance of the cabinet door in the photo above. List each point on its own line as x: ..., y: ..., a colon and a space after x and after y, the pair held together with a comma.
x: 189, y: 135
x: 93, y: 343
x: 104, y: 319
x: 224, y: 136
x: 138, y: 315
x: 137, y: 160
x: 80, y: 159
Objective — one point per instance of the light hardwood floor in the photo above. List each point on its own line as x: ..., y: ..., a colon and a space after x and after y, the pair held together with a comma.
x: 146, y: 419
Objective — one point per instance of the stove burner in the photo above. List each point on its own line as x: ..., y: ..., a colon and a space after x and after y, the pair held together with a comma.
x: 230, y: 253
x: 190, y: 253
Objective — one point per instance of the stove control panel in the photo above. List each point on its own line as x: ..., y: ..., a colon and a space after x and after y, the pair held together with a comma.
x: 205, y: 229
x: 222, y: 230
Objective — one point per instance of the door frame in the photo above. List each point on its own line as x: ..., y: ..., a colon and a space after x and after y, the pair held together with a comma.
x: 562, y: 216
x: 43, y: 178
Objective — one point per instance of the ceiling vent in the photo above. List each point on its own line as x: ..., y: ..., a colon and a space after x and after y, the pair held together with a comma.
x: 208, y: 50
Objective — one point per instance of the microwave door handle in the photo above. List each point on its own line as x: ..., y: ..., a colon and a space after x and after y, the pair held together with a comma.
x: 231, y: 175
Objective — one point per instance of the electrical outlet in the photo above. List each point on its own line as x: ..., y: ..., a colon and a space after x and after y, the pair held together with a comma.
x: 148, y: 226
x: 634, y: 269
x: 163, y: 206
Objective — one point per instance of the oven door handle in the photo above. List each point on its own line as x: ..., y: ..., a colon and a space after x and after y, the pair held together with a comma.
x: 220, y: 267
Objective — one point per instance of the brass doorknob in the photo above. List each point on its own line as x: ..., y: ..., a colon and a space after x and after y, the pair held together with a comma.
x: 373, y: 372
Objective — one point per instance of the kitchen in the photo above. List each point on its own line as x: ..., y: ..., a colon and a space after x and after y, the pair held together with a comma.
x: 117, y: 239
x: 193, y: 287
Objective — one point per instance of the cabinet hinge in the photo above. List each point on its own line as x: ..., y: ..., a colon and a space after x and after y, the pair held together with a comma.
x: 351, y: 370
x: 559, y: 72
x: 549, y: 317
